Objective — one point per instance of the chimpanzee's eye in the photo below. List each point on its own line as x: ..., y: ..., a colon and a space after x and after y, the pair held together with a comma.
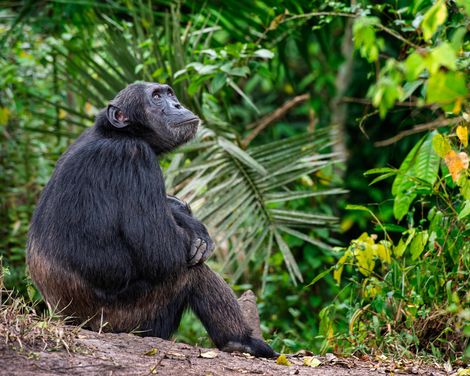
x: 156, y: 94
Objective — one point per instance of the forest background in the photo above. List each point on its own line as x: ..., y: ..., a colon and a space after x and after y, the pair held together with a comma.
x: 332, y: 166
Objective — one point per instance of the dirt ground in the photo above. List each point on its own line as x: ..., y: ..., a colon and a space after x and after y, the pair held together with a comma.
x: 127, y: 354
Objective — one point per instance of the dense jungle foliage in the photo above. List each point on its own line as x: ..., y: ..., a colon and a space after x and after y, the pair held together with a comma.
x: 332, y: 166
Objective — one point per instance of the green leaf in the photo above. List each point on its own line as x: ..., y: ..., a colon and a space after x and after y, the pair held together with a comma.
x: 379, y: 170
x: 390, y: 227
x: 445, y: 88
x: 414, y: 65
x: 433, y: 18
x: 465, y: 4
x: 321, y: 276
x: 397, y: 186
x: 409, y: 88
x: 385, y: 93
x: 465, y: 210
x: 441, y: 56
x: 402, y: 203
x: 357, y: 207
x: 264, y: 53
x: 364, y: 38
x: 427, y: 162
x: 218, y: 82
x: 235, y: 87
x: 441, y: 145
x: 464, y: 185
x: 420, y: 165
x: 401, y: 247
x: 382, y: 177
x: 458, y: 37
x: 418, y: 244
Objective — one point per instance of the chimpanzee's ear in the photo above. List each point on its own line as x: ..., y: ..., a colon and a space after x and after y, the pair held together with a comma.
x: 116, y: 117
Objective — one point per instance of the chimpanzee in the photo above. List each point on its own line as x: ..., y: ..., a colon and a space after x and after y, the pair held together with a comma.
x: 109, y: 247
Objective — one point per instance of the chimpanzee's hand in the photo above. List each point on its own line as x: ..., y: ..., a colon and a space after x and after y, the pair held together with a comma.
x: 201, y: 248
x: 202, y: 245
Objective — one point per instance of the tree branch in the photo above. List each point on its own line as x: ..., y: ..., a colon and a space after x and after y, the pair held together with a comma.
x: 367, y: 102
x: 272, y: 117
x: 441, y: 122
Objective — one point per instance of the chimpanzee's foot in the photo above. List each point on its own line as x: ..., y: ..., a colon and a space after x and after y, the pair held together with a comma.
x: 253, y: 346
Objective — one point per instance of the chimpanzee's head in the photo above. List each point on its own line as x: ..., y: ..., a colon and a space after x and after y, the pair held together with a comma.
x: 152, y: 112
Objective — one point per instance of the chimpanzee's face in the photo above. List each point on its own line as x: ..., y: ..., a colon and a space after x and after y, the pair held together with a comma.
x: 152, y: 111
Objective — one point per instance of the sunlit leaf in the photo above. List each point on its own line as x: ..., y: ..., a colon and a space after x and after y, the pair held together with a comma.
x: 462, y: 134
x: 264, y: 53
x: 383, y: 253
x: 283, y: 361
x: 418, y: 243
x: 152, y: 352
x: 311, y: 361
x: 441, y: 145
x: 433, y: 18
x: 414, y: 65
x: 365, y: 38
x: 400, y: 249
x: 465, y: 210
x: 445, y: 88
x: 364, y: 254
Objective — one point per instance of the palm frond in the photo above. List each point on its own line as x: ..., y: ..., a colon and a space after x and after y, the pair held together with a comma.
x: 243, y: 197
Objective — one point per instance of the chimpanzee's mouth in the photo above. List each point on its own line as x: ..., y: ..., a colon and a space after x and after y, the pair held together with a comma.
x: 191, y: 122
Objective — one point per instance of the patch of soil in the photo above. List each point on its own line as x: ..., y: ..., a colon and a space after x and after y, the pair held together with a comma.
x: 127, y: 354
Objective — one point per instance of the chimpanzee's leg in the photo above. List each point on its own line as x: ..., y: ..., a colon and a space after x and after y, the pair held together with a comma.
x: 167, y: 302
x: 213, y: 301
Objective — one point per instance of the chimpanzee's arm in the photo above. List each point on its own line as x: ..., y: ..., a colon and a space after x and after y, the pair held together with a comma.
x: 201, y: 243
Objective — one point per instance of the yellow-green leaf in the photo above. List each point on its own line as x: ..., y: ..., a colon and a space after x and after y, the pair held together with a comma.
x: 401, y: 247
x: 440, y: 145
x: 418, y: 244
x: 365, y: 258
x: 465, y: 210
x: 311, y: 361
x: 433, y: 18
x: 151, y: 352
x: 445, y: 88
x: 383, y: 253
x: 463, y: 372
x: 414, y: 65
x: 441, y: 56
x: 462, y: 134
x: 339, y: 266
x: 282, y: 360
x: 4, y: 115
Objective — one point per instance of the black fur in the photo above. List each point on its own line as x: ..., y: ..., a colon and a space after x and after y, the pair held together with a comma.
x: 107, y: 242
